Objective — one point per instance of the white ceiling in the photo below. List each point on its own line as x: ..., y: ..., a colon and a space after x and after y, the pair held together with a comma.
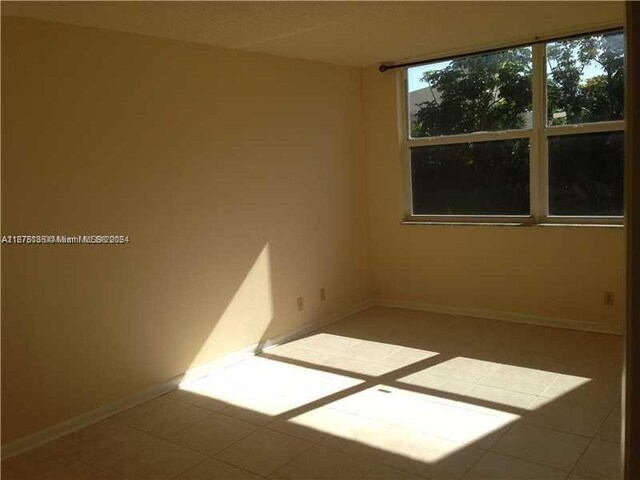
x: 358, y: 33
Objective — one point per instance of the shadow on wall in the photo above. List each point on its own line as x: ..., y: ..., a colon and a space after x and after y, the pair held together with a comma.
x: 212, y: 179
x: 222, y: 310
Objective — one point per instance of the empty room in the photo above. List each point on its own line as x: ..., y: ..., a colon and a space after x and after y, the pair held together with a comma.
x: 320, y: 240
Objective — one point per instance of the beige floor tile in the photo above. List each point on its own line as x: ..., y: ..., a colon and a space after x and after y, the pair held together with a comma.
x: 435, y: 423
x: 262, y: 408
x: 292, y: 352
x: 43, y: 464
x: 23, y: 465
x: 325, y: 343
x: 159, y: 462
x: 213, y: 469
x: 163, y: 416
x: 489, y: 440
x: 176, y: 394
x: 536, y: 360
x: 321, y: 463
x: 434, y: 385
x: 213, y: 433
x: 267, y: 374
x: 257, y: 406
x: 464, y: 426
x: 601, y: 461
x: 406, y: 356
x: 273, y: 369
x: 584, y: 390
x: 264, y: 451
x: 540, y: 445
x: 497, y: 397
x: 96, y: 446
x: 499, y: 467
x: 564, y: 384
x: 73, y: 470
x: 357, y: 367
x: 361, y: 436
x: 106, y: 441
x: 611, y: 429
x: 431, y: 457
x: 437, y: 416
x: 339, y: 428
x: 315, y: 386
x: 61, y: 449
x: 382, y: 472
x: 258, y: 418
x: 335, y: 363
x: 465, y: 369
x: 311, y: 426
x: 382, y: 402
x: 520, y: 379
x: 202, y: 400
x: 365, y: 351
x: 400, y: 448
x: 567, y: 417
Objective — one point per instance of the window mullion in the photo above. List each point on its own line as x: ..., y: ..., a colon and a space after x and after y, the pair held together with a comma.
x: 538, y: 155
x: 470, y: 138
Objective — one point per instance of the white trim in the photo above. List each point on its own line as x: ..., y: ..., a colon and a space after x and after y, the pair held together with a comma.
x: 504, y: 316
x: 69, y: 426
x: 537, y: 145
x: 484, y: 219
x: 76, y: 423
x: 538, y: 135
x: 473, y: 137
x: 584, y: 128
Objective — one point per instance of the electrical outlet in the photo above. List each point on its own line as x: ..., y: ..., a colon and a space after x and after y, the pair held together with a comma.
x: 300, y: 302
x: 323, y: 294
x: 609, y: 299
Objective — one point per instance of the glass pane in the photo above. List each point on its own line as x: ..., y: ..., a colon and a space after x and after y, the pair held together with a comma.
x: 472, y: 94
x: 586, y: 174
x: 585, y: 79
x: 482, y: 178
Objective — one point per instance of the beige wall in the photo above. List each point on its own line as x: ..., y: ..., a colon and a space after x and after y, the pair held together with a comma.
x: 243, y: 181
x: 554, y: 272
x: 236, y: 176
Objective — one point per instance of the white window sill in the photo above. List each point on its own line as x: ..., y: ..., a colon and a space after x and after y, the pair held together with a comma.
x: 514, y: 224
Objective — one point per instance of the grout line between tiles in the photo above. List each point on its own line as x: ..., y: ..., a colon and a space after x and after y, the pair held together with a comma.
x: 473, y: 465
x: 588, y: 445
x: 311, y: 443
x: 568, y: 472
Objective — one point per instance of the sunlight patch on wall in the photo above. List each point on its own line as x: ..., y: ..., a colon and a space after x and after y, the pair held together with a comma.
x: 246, y: 317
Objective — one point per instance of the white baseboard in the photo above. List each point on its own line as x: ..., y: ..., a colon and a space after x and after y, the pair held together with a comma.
x: 69, y: 426
x: 64, y: 428
x: 76, y: 423
x: 235, y: 357
x: 503, y: 316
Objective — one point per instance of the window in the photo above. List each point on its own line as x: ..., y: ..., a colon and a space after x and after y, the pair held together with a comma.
x: 530, y: 134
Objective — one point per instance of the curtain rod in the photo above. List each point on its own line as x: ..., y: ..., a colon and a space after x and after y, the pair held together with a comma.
x: 383, y: 68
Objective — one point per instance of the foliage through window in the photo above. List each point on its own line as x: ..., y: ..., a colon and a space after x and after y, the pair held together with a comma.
x: 474, y: 94
x: 534, y: 132
x: 585, y: 80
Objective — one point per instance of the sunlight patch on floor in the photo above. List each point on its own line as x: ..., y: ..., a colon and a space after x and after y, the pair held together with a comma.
x: 344, y: 390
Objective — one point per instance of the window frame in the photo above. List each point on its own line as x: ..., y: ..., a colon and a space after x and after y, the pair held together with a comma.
x: 537, y: 135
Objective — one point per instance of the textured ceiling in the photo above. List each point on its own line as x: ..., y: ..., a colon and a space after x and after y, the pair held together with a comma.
x: 348, y: 33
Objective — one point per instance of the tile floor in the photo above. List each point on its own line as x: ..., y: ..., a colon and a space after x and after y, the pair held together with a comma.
x: 384, y: 394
